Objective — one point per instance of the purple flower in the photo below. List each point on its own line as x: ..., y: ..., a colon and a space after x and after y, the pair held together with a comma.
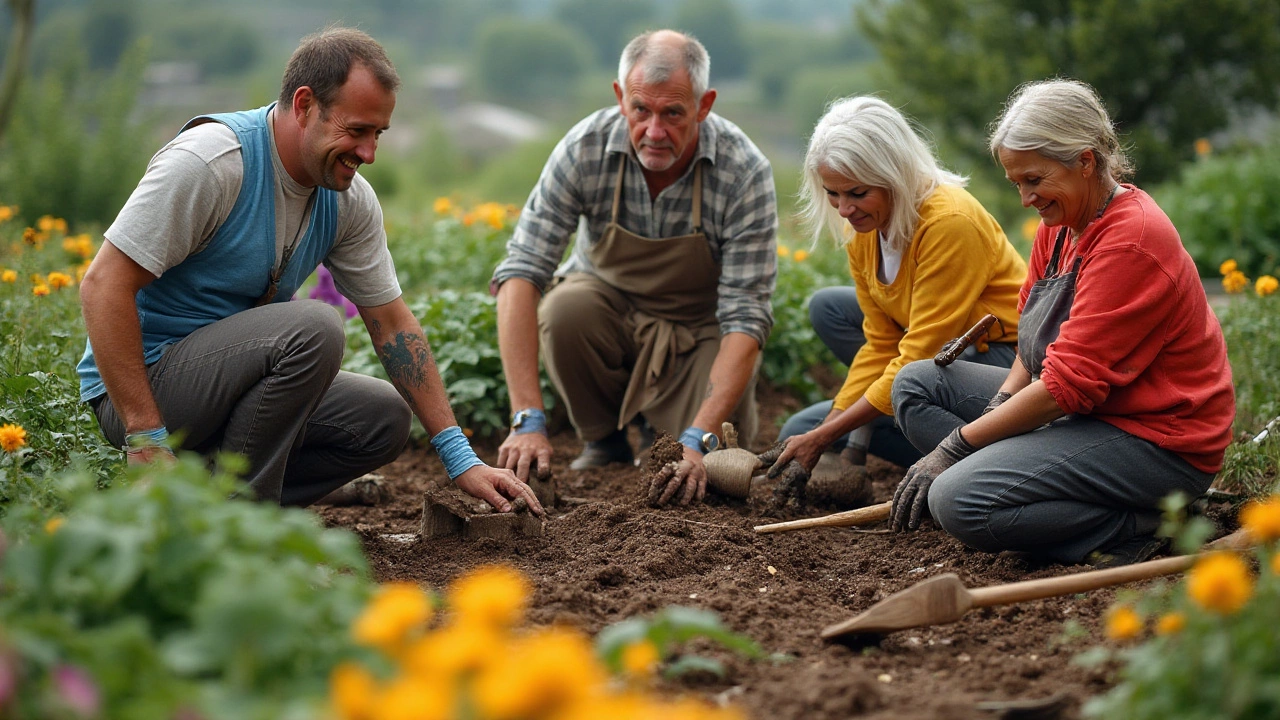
x: 76, y: 690
x: 326, y: 291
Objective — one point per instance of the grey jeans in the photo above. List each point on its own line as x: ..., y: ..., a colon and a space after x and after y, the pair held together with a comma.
x: 265, y: 383
x: 1062, y: 491
x: 837, y: 320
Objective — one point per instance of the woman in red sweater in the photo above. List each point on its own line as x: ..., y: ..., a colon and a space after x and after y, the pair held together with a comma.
x: 1122, y: 393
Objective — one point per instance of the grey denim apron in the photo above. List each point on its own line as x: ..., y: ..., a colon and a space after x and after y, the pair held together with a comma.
x: 1048, y: 306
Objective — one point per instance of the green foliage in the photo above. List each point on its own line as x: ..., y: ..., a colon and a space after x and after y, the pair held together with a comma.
x: 812, y: 90
x: 1170, y: 71
x: 667, y: 630
x: 221, y: 44
x: 1251, y: 326
x: 521, y: 59
x: 607, y: 25
x: 794, y: 349
x: 73, y: 149
x: 169, y: 595
x: 1224, y: 206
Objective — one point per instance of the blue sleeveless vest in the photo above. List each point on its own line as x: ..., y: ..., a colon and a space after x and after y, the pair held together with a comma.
x: 234, y: 269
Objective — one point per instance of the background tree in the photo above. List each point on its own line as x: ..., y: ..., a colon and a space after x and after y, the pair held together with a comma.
x: 1170, y: 71
x: 718, y: 25
x: 23, y: 14
x: 521, y: 59
x: 606, y: 25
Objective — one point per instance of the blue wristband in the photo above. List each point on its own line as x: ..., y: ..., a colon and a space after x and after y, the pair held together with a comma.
x: 145, y: 438
x: 454, y: 451
x: 529, y: 420
x: 692, y: 439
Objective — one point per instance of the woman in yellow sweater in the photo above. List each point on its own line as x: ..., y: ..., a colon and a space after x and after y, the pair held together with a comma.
x: 927, y: 263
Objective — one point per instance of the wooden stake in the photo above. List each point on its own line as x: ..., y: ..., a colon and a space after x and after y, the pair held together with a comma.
x: 849, y: 518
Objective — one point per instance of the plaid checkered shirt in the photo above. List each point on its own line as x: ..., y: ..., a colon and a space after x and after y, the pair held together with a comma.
x: 739, y: 213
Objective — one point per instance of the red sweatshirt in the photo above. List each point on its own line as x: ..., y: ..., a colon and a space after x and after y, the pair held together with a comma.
x: 1142, y: 349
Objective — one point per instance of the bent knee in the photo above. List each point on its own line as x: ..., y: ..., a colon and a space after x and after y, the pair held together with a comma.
x: 960, y: 512
x: 318, y: 325
x: 912, y: 382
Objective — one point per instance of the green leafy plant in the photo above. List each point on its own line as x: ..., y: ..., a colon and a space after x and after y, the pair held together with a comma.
x: 794, y: 349
x: 662, y: 635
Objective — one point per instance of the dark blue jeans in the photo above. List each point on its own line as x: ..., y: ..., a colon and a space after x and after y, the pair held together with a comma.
x: 837, y: 319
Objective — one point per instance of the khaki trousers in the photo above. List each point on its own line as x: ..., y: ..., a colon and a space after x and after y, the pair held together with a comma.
x: 590, y: 350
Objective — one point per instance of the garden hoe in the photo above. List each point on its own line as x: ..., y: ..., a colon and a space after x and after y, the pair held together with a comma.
x: 944, y: 599
x: 849, y: 518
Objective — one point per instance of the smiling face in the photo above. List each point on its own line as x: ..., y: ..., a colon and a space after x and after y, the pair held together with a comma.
x: 1060, y: 193
x: 866, y: 207
x: 337, y: 139
x: 663, y: 119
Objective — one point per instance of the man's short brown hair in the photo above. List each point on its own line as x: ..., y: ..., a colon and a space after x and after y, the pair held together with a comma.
x: 324, y: 59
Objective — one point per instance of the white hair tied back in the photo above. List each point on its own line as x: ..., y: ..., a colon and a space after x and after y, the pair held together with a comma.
x: 1060, y: 119
x: 867, y: 139
x: 660, y: 58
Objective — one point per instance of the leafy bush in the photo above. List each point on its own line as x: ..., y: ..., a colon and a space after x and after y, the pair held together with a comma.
x: 1215, y: 653
x: 162, y: 594
x: 1225, y: 206
x: 794, y: 349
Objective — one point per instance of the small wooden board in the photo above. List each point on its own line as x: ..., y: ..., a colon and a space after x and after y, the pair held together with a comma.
x: 445, y: 514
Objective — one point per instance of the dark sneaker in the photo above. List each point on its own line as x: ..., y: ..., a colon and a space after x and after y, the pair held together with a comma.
x: 598, y: 453
x: 1134, y: 550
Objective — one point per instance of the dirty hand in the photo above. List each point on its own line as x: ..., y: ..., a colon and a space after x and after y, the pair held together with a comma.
x: 795, y: 477
x: 997, y: 401
x: 912, y: 496
x: 522, y: 451
x: 495, y: 486
x: 805, y: 449
x: 687, y: 477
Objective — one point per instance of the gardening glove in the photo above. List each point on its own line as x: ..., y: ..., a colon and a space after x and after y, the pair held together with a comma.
x: 997, y: 401
x: 795, y: 478
x: 912, y: 496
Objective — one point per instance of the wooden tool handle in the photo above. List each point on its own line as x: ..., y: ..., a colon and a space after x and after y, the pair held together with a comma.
x: 848, y: 518
x: 952, y: 350
x: 1093, y: 580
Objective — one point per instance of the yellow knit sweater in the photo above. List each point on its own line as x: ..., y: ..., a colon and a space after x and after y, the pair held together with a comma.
x: 958, y: 267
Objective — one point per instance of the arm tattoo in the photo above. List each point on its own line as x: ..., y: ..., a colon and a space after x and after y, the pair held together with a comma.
x: 406, y: 359
x: 711, y: 389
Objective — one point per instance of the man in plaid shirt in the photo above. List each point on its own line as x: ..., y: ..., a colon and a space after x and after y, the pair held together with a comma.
x: 663, y: 306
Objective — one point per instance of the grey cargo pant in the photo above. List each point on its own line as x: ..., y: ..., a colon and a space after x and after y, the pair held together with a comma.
x: 265, y: 383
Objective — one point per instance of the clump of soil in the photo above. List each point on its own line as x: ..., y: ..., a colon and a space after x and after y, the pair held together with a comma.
x: 665, y: 454
x: 605, y: 557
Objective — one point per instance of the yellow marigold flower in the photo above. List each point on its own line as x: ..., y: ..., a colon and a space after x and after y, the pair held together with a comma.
x: 52, y: 525
x: 453, y: 650
x: 1262, y: 519
x: 351, y: 692
x: 1029, y: 228
x: 547, y: 670
x: 1234, y: 281
x: 1275, y: 563
x: 1171, y: 623
x: 9, y: 276
x: 6, y: 213
x: 1123, y: 623
x: 468, y: 219
x: 495, y: 595
x: 58, y: 280
x: 442, y: 206
x: 1266, y: 285
x: 12, y: 437
x: 415, y: 698
x: 1203, y: 147
x: 40, y: 290
x: 395, y: 610
x: 45, y: 223
x: 491, y: 213
x: 30, y: 236
x: 783, y: 250
x: 1220, y: 583
x: 640, y: 659
x: 800, y: 255
x: 1228, y: 266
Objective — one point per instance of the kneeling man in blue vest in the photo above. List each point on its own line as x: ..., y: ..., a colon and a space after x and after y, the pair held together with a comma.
x: 186, y: 304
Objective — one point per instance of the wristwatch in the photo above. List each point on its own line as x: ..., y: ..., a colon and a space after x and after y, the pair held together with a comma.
x: 521, y: 417
x: 709, y: 442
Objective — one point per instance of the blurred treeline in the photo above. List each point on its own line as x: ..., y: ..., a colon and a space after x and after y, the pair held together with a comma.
x: 490, y: 85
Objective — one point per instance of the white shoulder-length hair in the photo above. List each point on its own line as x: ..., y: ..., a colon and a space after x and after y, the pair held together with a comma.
x: 866, y: 139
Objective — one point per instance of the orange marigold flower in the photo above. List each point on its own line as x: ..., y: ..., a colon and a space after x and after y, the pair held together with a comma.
x: 396, y: 610
x: 9, y: 276
x: 12, y: 437
x: 495, y: 596
x: 1262, y: 519
x: 547, y: 670
x: 1203, y: 147
x: 1029, y: 228
x: 1266, y: 285
x: 6, y: 213
x: 1220, y: 583
x: 1234, y: 281
x: 783, y: 250
x: 30, y: 236
x: 800, y: 255
x: 1123, y: 623
x: 58, y: 280
x: 442, y: 206
x: 351, y: 692
x: 45, y: 223
x: 40, y: 290
x: 52, y: 525
x: 1171, y: 623
x: 640, y: 659
x: 415, y: 698
x: 1275, y: 563
x: 1228, y: 266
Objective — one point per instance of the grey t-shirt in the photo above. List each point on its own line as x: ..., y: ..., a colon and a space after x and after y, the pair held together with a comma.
x: 190, y: 187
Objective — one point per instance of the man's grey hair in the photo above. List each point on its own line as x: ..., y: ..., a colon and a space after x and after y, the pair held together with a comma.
x: 1060, y: 119
x: 868, y: 139
x: 659, y: 60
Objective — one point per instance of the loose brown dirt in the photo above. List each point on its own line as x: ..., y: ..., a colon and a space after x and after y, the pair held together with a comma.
x: 605, y: 555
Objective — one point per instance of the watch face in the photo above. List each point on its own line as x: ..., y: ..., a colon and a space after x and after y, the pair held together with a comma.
x: 519, y: 419
x: 710, y: 442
